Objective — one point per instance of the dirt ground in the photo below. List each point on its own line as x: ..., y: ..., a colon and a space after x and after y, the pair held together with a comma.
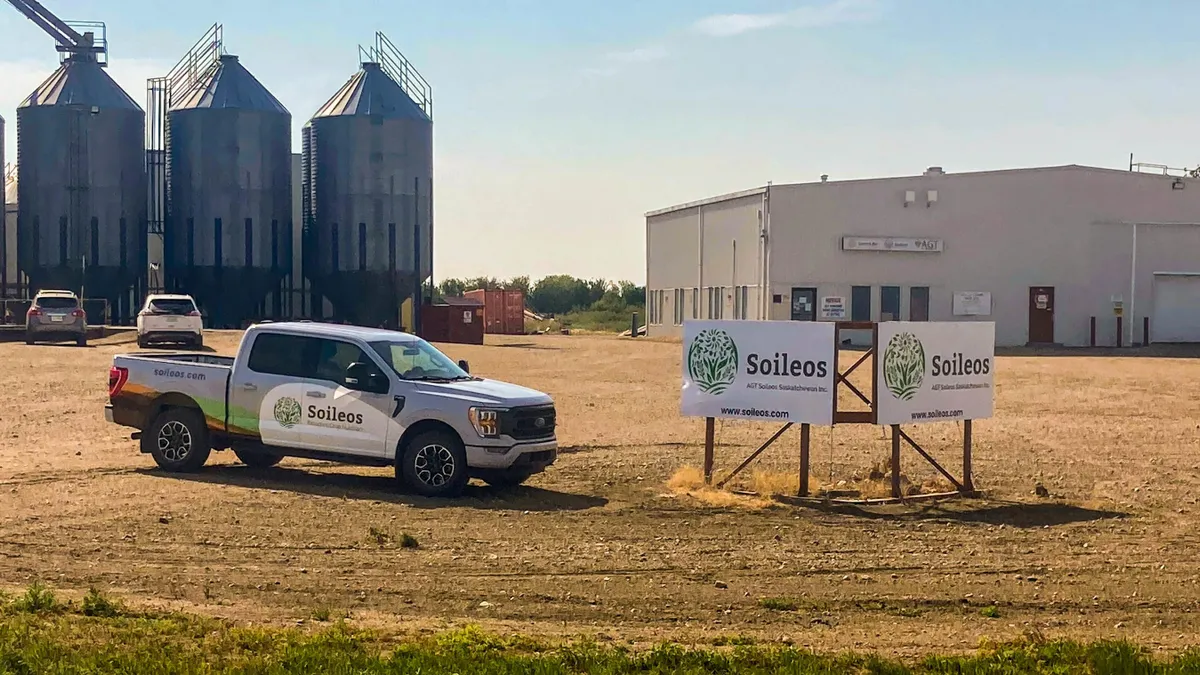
x: 600, y: 546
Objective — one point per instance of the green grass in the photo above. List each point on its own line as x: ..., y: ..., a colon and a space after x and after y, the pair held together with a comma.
x: 63, y: 639
x: 779, y: 604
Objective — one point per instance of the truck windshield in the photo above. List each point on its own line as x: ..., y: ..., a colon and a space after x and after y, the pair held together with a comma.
x: 416, y: 359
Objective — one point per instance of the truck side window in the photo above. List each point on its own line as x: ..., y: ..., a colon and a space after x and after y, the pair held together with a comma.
x: 284, y: 355
x: 334, y: 357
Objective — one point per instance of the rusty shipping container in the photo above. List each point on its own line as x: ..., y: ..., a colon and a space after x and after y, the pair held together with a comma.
x: 460, y: 321
x: 503, y: 311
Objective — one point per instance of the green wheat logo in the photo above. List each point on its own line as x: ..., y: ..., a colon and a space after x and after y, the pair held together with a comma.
x: 287, y: 412
x: 904, y: 365
x: 712, y: 361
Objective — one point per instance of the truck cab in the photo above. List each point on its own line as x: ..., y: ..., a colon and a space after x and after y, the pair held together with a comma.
x: 338, y: 393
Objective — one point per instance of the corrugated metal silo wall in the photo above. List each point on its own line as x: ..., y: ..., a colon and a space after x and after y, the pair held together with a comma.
x: 367, y: 186
x: 81, y: 191
x: 230, y: 210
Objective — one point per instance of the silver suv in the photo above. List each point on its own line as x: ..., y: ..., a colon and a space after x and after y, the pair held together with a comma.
x: 56, y: 316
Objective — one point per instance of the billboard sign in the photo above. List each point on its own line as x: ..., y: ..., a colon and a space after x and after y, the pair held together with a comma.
x: 935, y: 372
x: 759, y: 370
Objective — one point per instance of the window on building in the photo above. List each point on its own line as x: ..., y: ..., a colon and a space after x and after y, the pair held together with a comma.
x: 719, y: 302
x: 889, y: 303
x: 679, y: 295
x: 737, y: 302
x: 745, y: 302
x: 918, y: 303
x: 860, y: 303
x: 695, y: 303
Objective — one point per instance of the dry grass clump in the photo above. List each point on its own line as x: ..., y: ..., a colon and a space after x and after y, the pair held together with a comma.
x: 688, y: 481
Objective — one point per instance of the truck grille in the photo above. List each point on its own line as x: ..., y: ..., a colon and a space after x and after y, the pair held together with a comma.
x: 529, y: 423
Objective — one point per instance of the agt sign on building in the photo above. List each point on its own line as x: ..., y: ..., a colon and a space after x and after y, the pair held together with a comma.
x: 759, y: 370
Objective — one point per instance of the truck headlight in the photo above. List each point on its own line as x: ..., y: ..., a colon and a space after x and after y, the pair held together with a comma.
x: 486, y: 421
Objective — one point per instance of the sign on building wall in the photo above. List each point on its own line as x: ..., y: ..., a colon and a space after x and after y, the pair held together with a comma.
x: 833, y: 307
x: 972, y: 303
x: 901, y: 244
x: 935, y: 372
x: 759, y: 370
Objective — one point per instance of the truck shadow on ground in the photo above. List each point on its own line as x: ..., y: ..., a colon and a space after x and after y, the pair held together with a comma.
x: 384, y: 489
x: 1023, y: 515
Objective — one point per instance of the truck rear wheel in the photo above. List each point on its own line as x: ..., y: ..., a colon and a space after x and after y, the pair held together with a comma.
x: 434, y: 464
x: 178, y: 440
x: 257, y: 459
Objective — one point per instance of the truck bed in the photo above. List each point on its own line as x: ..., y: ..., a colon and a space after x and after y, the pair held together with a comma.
x: 149, y: 380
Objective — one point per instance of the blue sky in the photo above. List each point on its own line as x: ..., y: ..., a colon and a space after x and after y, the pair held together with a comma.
x: 558, y: 124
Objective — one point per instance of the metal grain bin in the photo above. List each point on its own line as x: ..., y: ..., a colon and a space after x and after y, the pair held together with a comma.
x: 367, y: 172
x: 81, y: 187
x: 227, y: 236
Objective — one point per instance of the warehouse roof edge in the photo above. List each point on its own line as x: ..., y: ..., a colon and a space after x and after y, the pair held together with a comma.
x: 989, y: 172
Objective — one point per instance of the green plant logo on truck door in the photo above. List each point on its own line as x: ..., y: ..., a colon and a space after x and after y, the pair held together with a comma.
x: 287, y: 412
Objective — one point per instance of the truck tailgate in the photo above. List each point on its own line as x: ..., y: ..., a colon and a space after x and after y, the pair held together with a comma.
x: 143, y: 381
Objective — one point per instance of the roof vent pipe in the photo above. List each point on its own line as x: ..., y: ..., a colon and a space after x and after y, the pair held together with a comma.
x: 934, y: 171
x: 824, y: 178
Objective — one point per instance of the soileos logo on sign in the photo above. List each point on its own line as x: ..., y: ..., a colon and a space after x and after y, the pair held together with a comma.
x: 759, y: 370
x: 936, y: 371
x: 712, y: 361
x: 904, y: 365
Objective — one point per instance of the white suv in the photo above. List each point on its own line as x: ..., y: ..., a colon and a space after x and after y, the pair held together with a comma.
x: 170, y: 318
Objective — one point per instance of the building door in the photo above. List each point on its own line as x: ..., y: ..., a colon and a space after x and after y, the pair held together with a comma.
x: 1041, y: 314
x: 804, y: 304
x: 918, y: 303
x: 1176, y: 315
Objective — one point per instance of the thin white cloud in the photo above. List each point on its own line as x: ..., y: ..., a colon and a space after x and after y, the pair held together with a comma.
x: 639, y: 55
x: 614, y: 62
x: 810, y: 16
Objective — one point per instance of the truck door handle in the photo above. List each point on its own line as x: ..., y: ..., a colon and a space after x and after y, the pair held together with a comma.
x: 250, y: 386
x: 315, y: 394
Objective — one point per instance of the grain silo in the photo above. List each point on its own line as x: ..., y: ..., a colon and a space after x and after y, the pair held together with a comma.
x: 229, y: 196
x: 81, y: 185
x: 367, y: 191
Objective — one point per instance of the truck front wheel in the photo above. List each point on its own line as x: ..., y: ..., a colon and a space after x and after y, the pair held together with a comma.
x: 178, y: 440
x: 434, y: 464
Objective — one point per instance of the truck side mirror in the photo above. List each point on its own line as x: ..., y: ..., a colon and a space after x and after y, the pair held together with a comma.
x: 360, y: 378
x: 466, y: 367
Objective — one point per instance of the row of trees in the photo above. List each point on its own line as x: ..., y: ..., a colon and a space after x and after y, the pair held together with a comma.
x: 556, y: 294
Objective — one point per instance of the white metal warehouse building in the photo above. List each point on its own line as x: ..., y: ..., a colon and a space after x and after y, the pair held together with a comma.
x: 1040, y: 251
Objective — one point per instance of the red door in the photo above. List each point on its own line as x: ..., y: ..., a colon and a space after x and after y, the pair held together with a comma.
x: 1041, y: 315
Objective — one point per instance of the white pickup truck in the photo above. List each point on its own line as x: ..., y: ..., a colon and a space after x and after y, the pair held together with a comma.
x: 337, y: 393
